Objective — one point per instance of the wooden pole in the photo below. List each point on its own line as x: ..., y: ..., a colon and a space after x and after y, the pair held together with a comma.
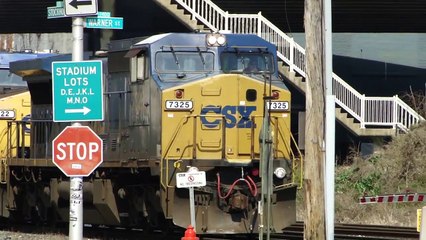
x: 315, y: 118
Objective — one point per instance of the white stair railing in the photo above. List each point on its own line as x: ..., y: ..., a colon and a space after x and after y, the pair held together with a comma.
x: 374, y: 111
x: 369, y: 111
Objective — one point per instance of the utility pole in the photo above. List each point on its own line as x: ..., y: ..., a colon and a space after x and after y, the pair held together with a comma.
x: 76, y: 183
x: 314, y: 167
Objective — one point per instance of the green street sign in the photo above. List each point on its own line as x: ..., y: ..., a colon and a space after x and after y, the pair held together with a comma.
x: 77, y: 90
x: 57, y: 11
x: 104, y: 22
x: 104, y: 14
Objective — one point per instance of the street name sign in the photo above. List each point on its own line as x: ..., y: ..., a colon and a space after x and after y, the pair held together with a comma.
x: 104, y: 14
x: 57, y: 11
x: 77, y: 91
x: 104, y: 22
x: 191, y: 179
x: 77, y: 151
x: 74, y: 8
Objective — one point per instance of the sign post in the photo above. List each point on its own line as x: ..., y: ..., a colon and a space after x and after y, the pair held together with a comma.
x: 76, y: 90
x: 190, y: 179
x: 76, y: 207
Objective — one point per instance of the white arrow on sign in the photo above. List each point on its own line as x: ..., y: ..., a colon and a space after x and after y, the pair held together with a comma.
x: 76, y: 3
x: 75, y: 8
x: 84, y: 110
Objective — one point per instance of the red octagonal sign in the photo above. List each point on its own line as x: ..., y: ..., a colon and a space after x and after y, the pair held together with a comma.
x: 77, y: 151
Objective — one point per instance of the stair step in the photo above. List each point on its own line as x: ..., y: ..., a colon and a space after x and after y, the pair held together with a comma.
x: 180, y: 14
x: 297, y: 81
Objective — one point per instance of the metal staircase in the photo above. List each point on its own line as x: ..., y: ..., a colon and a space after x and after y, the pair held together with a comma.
x: 364, y: 116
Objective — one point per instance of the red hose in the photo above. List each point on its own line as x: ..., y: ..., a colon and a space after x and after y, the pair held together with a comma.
x: 254, y: 185
x: 253, y: 189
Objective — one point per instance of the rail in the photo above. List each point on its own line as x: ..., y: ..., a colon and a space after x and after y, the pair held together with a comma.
x: 373, y: 111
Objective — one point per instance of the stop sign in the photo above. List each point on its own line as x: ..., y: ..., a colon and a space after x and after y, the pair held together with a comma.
x: 77, y: 151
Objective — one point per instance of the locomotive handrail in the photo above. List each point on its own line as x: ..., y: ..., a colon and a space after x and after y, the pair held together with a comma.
x: 292, y: 54
x: 15, y: 131
x: 164, y: 163
x: 279, y: 136
x: 280, y: 132
x: 176, y: 133
x: 168, y: 147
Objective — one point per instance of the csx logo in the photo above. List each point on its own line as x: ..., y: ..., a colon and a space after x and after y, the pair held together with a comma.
x: 229, y: 113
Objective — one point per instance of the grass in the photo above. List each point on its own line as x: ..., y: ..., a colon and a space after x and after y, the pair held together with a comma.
x: 399, y: 167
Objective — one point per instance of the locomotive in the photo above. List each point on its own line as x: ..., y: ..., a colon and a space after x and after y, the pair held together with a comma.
x: 172, y: 102
x: 15, y: 104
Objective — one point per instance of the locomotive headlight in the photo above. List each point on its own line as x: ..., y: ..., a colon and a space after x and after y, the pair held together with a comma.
x: 192, y: 169
x: 211, y: 40
x: 215, y: 39
x: 280, y: 172
x: 221, y: 40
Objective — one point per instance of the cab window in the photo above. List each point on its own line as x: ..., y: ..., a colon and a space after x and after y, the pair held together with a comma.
x: 10, y: 79
x: 185, y: 62
x: 246, y: 62
x: 139, y: 67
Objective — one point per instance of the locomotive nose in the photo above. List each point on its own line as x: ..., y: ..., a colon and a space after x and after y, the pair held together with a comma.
x: 223, y: 122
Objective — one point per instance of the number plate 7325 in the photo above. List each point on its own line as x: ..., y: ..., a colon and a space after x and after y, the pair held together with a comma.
x: 178, y: 105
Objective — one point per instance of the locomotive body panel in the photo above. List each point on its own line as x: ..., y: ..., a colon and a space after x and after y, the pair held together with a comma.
x: 224, y: 110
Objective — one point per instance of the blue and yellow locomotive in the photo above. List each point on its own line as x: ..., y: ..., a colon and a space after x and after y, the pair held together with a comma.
x: 172, y: 101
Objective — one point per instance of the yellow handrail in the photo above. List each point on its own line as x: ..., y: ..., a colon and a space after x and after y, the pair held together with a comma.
x: 294, y: 157
x: 178, y: 129
x: 164, y: 163
x: 182, y: 122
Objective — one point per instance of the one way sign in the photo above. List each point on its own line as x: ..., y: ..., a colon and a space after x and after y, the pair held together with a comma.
x: 75, y: 8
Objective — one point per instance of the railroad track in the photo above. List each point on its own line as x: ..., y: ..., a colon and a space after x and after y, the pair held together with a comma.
x: 342, y: 231
x: 294, y: 232
x: 355, y: 231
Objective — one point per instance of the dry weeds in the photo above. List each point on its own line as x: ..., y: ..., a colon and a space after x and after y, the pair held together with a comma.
x: 399, y: 167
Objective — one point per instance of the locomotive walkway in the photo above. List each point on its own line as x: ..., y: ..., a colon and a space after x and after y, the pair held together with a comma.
x: 364, y: 116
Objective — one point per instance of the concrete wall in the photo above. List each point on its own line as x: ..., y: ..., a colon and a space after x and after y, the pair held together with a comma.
x: 397, y: 48
x: 56, y: 42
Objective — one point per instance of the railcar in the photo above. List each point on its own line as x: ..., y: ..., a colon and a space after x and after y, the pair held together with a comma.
x: 172, y: 102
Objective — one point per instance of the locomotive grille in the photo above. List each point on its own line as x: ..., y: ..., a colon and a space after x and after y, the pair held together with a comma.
x: 108, y: 143
x: 113, y: 144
